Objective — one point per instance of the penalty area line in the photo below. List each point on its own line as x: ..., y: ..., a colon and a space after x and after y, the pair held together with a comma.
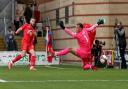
x: 55, y: 81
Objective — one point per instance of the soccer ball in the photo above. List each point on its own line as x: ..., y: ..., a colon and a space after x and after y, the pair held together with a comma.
x: 103, y: 58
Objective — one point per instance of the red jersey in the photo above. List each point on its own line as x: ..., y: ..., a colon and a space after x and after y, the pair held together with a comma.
x: 28, y: 38
x: 91, y: 34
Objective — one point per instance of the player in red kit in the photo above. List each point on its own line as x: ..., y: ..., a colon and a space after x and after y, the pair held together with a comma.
x: 84, y: 42
x: 26, y: 44
x: 91, y: 35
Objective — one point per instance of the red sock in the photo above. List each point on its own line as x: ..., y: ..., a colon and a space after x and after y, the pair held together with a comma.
x: 17, y: 58
x: 87, y: 60
x: 33, y: 59
x: 49, y: 58
x: 83, y: 62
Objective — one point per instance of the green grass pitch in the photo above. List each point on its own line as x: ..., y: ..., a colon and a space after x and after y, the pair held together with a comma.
x: 62, y: 77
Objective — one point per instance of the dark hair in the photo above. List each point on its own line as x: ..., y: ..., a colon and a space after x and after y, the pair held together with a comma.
x: 97, y: 41
x: 80, y: 24
x: 119, y: 25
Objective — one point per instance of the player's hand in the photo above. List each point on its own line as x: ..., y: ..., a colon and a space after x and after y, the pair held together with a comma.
x: 29, y: 32
x: 61, y: 23
x: 15, y: 33
x: 101, y: 21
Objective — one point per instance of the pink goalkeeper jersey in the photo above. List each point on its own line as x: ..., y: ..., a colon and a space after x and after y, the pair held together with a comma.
x: 82, y: 39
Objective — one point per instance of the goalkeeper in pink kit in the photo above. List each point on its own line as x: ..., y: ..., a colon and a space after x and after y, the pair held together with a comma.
x: 84, y: 42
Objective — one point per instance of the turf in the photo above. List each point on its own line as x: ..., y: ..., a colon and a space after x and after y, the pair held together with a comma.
x: 63, y: 77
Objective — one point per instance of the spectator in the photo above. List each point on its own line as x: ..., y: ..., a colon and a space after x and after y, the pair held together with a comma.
x: 10, y: 41
x: 28, y: 13
x: 96, y: 52
x: 97, y: 48
x: 120, y: 43
x: 17, y: 23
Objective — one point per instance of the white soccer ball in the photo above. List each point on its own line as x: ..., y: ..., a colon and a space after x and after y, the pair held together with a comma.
x: 103, y: 58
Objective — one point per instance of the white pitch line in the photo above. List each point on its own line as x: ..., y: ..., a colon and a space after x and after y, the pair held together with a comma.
x: 54, y: 67
x: 77, y: 64
x: 2, y: 81
x: 45, y: 81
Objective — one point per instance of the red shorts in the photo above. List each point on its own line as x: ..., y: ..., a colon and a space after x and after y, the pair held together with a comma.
x: 26, y: 46
x: 82, y: 54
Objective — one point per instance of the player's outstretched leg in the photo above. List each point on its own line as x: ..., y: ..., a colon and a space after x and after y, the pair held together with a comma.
x: 17, y: 58
x: 60, y: 53
x: 10, y: 64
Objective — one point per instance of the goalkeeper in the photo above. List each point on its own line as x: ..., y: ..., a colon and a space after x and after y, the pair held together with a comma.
x: 84, y: 42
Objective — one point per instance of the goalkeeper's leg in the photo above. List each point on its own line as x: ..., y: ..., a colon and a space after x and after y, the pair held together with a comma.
x: 61, y: 53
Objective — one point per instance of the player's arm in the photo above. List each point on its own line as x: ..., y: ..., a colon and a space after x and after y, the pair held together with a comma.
x: 18, y: 30
x: 99, y: 22
x: 92, y: 27
x: 67, y: 30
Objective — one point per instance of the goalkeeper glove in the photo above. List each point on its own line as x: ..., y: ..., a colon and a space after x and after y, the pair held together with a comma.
x: 101, y: 21
x: 62, y: 25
